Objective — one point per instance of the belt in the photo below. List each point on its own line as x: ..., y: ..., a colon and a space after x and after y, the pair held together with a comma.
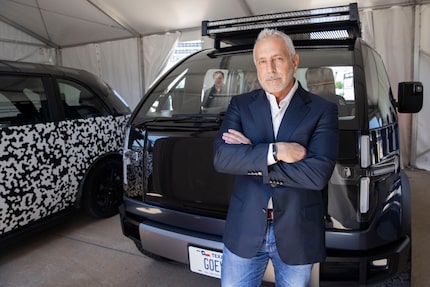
x: 269, y: 214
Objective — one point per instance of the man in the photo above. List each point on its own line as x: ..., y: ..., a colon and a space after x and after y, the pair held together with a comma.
x: 210, y: 98
x: 281, y: 143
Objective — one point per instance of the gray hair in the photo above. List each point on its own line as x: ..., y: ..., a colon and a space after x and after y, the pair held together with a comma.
x: 266, y: 33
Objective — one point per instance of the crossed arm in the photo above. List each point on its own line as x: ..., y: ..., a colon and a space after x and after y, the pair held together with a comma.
x: 288, y: 152
x: 307, y: 161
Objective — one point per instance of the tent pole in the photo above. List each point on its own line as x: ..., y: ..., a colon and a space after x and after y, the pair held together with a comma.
x: 416, y: 76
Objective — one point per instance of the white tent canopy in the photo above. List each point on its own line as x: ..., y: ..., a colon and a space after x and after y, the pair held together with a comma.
x: 127, y: 42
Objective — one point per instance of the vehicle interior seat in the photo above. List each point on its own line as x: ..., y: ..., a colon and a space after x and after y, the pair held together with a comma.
x: 27, y: 115
x: 320, y: 81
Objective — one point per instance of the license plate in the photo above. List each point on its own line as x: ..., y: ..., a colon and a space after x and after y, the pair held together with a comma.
x: 205, y: 261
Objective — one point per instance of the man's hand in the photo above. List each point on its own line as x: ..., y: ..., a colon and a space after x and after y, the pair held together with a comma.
x: 290, y: 152
x: 235, y: 137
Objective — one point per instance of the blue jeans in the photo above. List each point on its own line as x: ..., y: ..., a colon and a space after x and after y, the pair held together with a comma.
x: 242, y: 272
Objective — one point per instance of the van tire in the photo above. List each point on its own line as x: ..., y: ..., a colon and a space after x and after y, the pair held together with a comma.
x: 103, y: 190
x: 401, y: 280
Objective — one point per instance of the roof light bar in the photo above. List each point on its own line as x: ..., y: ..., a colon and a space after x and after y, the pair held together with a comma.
x: 278, y: 24
x: 284, y: 15
x: 338, y: 23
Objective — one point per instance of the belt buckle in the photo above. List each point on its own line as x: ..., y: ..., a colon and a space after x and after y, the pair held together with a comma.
x: 269, y: 214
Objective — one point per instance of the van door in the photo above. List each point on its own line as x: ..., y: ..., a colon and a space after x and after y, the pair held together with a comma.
x: 32, y: 176
x: 89, y: 130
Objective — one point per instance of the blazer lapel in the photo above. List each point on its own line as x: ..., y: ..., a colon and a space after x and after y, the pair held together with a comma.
x: 296, y: 111
x: 262, y: 118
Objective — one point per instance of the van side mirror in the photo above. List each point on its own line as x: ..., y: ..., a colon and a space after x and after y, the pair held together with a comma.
x: 410, y: 97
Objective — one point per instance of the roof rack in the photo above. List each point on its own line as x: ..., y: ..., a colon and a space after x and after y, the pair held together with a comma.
x: 320, y: 26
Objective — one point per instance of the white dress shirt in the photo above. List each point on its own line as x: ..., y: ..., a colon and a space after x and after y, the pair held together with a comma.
x: 278, y: 112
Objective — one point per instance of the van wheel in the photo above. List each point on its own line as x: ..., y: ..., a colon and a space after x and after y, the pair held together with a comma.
x: 103, y: 189
x: 401, y: 280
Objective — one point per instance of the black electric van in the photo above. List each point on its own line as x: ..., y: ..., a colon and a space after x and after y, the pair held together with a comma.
x: 61, y: 133
x: 175, y: 203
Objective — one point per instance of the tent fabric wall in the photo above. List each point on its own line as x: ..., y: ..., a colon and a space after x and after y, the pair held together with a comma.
x: 18, y: 46
x: 82, y: 57
x: 381, y: 32
x: 120, y: 67
x: 156, y: 51
x: 119, y: 62
x: 423, y: 118
x: 116, y: 62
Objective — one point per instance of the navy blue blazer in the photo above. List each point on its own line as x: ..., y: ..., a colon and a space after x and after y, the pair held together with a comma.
x: 298, y: 203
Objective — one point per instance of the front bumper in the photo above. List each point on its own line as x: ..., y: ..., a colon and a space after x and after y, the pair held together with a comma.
x: 364, y: 268
x: 341, y: 268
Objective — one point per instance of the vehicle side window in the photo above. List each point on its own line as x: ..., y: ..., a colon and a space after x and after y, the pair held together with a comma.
x: 79, y: 102
x: 380, y: 109
x: 22, y: 101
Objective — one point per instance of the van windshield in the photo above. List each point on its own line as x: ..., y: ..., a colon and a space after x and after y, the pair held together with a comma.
x: 205, y: 83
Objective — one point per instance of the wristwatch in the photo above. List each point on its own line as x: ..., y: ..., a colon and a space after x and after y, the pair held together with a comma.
x: 274, y: 152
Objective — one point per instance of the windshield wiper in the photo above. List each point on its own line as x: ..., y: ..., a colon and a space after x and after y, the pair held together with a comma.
x: 208, y: 116
x: 186, y: 118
